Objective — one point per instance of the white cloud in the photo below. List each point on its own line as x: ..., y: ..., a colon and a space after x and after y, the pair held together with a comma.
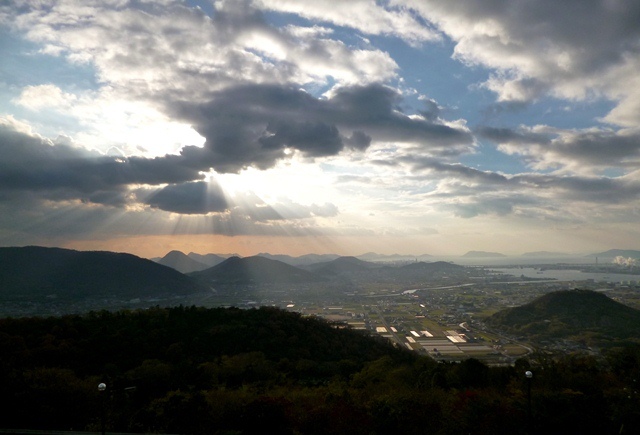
x: 572, y: 50
x: 367, y: 16
x: 576, y: 151
x: 44, y: 96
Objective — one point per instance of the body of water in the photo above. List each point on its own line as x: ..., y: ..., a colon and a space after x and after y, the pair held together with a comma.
x: 568, y: 275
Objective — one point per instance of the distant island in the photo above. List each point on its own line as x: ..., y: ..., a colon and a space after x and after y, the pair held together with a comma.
x: 612, y: 253
x: 482, y: 254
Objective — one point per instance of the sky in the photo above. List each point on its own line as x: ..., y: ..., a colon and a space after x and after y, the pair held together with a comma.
x: 294, y: 127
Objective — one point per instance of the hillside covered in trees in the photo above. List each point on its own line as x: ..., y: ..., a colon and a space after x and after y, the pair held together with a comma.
x: 35, y: 272
x: 581, y: 315
x: 231, y: 371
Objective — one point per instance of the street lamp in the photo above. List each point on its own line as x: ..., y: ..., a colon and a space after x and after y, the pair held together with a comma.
x: 102, y: 388
x: 528, y: 374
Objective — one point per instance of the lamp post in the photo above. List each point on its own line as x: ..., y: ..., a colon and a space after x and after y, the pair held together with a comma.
x: 528, y: 374
x: 102, y: 388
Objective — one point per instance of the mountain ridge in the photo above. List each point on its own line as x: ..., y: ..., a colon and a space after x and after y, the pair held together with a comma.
x: 34, y: 271
x: 253, y: 270
x: 482, y: 254
x: 181, y: 262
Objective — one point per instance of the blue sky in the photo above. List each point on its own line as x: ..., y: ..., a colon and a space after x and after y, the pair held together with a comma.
x: 400, y: 126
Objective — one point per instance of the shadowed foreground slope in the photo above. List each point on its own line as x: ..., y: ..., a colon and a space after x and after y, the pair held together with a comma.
x: 230, y: 371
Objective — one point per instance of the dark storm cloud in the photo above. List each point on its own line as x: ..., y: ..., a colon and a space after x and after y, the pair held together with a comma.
x: 199, y: 197
x: 61, y: 172
x: 33, y: 170
x: 313, y: 139
x: 253, y: 125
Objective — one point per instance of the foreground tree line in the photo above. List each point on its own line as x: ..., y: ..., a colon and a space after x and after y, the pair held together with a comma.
x: 230, y: 371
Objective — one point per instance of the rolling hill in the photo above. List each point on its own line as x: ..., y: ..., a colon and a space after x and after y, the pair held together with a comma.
x: 253, y: 270
x: 33, y: 271
x: 577, y: 314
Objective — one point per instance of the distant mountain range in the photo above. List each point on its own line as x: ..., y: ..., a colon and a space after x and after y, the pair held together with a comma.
x: 200, y: 262
x: 430, y: 267
x: 37, y: 272
x: 261, y: 270
x: 372, y: 256
x: 482, y: 254
x: 210, y: 259
x: 181, y: 262
x: 342, y: 265
x: 302, y: 260
x: 577, y: 314
x: 253, y: 270
x: 33, y: 271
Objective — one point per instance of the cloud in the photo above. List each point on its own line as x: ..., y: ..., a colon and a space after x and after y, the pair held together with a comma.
x: 468, y: 192
x: 55, y: 190
x: 254, y: 125
x: 570, y: 49
x: 31, y: 162
x: 198, y: 197
x: 577, y: 151
x: 489, y: 205
x: 44, y: 96
x: 167, y: 59
x: 152, y: 48
x: 366, y: 16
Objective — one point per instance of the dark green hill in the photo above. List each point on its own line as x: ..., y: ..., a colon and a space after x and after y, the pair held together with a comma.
x: 160, y: 365
x: 577, y: 314
x: 33, y: 271
x: 253, y: 270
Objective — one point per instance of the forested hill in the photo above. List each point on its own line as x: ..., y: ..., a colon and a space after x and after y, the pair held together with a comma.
x: 268, y: 371
x: 50, y: 367
x: 34, y: 271
x: 581, y: 314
